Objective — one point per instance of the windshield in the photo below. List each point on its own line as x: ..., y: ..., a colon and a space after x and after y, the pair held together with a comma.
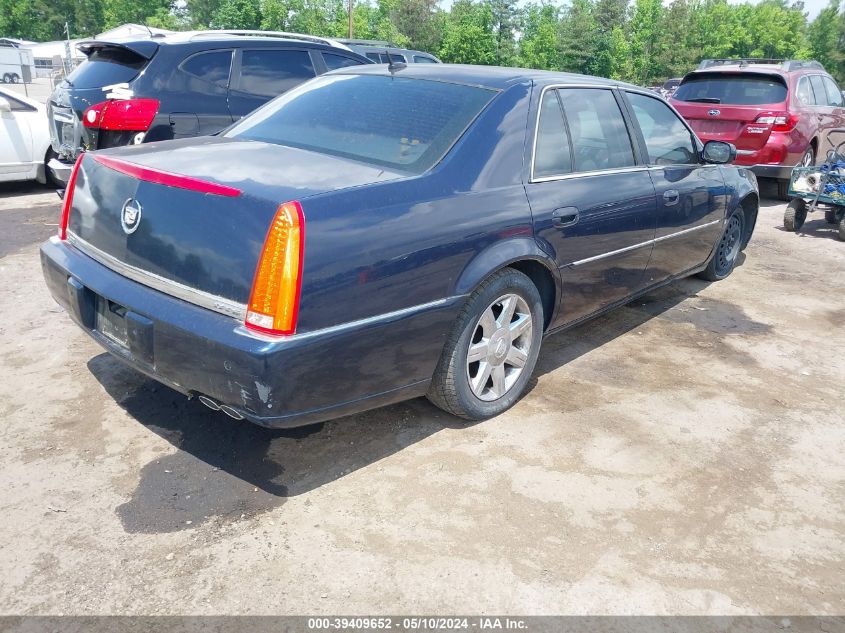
x: 732, y: 89
x: 403, y: 124
x: 107, y: 66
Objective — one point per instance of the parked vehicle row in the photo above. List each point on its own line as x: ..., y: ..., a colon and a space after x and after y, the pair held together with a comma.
x: 385, y: 232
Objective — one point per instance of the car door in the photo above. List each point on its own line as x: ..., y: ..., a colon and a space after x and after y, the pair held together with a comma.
x: 690, y: 195
x: 197, y: 95
x: 265, y: 73
x: 15, y: 137
x: 592, y: 203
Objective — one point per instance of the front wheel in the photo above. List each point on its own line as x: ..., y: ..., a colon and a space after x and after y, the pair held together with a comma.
x: 726, y: 252
x: 491, y: 352
x: 795, y: 214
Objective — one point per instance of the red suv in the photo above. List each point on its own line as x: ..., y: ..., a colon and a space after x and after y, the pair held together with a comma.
x: 778, y: 113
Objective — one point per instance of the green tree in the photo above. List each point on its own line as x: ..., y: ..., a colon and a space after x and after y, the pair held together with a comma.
x: 646, y: 39
x: 237, y: 14
x: 469, y: 37
x: 538, y: 47
x: 578, y: 36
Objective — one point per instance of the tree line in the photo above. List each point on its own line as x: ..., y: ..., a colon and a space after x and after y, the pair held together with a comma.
x: 641, y: 41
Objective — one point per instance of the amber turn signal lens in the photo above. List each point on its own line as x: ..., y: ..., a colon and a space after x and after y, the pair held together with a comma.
x: 274, y: 300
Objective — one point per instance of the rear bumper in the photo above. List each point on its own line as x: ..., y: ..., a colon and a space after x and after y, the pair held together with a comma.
x: 60, y: 170
x: 302, y: 379
x: 780, y: 172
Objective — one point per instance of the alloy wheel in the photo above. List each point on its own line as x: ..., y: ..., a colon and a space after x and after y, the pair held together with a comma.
x: 499, y: 347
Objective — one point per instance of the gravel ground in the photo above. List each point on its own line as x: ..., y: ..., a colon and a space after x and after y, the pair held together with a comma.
x: 681, y: 455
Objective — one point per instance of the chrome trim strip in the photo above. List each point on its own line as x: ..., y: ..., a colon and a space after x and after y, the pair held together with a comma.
x: 199, y: 298
x: 349, y: 325
x: 588, y: 174
x: 662, y: 238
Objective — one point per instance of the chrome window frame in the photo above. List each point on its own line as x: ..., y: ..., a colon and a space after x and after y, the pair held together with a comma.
x: 579, y: 174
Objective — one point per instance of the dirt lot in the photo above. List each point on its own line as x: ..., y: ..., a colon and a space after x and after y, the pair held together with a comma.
x: 683, y: 454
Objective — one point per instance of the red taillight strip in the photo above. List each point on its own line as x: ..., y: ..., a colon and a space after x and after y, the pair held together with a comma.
x: 166, y: 178
x: 68, y: 200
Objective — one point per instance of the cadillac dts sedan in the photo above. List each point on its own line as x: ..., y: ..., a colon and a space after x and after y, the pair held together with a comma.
x: 381, y: 233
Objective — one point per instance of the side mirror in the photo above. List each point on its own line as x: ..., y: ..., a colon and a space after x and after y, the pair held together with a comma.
x: 5, y: 106
x: 718, y: 152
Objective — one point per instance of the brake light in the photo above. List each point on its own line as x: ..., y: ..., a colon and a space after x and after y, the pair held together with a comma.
x: 134, y: 115
x: 161, y: 177
x: 780, y: 121
x: 68, y: 200
x: 274, y: 300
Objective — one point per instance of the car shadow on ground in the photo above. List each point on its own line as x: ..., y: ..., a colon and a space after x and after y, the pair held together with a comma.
x: 225, y: 470
x: 23, y: 188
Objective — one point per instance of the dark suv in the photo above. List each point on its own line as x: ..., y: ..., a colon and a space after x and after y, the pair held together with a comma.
x: 777, y: 113
x: 179, y: 86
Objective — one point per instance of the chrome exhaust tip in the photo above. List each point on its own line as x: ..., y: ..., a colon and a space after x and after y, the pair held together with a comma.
x: 216, y: 406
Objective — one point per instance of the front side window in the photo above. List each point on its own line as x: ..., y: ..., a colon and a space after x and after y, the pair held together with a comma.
x: 552, y: 155
x: 834, y: 95
x: 597, y: 130
x: 333, y: 62
x: 269, y: 73
x: 365, y: 118
x: 667, y: 139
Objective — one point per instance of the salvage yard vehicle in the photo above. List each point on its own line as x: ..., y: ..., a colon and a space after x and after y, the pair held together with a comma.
x: 24, y: 140
x: 179, y: 86
x: 378, y: 234
x: 778, y: 113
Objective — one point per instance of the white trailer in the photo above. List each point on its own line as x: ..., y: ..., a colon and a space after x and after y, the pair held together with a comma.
x: 17, y: 65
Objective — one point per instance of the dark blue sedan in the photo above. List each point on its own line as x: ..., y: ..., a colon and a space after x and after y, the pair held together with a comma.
x: 378, y: 234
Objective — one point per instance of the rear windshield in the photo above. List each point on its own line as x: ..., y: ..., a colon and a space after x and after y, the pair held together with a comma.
x: 403, y: 124
x: 107, y: 66
x: 732, y: 89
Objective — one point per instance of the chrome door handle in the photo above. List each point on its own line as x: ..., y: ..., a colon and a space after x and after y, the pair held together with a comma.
x: 565, y: 216
x: 671, y: 197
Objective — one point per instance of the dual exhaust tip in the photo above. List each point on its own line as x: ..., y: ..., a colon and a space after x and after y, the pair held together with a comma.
x: 212, y: 404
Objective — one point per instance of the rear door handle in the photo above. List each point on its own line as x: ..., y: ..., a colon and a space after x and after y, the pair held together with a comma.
x: 565, y: 216
x: 671, y: 197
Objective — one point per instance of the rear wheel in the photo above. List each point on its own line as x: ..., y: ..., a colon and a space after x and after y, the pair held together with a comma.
x: 13, y: 78
x: 795, y: 214
x: 491, y: 352
x: 726, y: 252
x: 7, y: 78
x: 809, y: 157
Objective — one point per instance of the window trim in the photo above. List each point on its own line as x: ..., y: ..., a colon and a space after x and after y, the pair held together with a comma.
x: 635, y: 148
x: 697, y: 145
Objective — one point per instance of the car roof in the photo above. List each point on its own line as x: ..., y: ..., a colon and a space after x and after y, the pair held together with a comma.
x: 493, y: 77
x: 374, y: 48
x: 236, y: 36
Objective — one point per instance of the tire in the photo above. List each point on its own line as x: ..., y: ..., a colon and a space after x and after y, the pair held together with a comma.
x: 451, y: 387
x: 727, y: 249
x: 808, y: 159
x: 795, y: 214
x: 830, y: 216
x: 14, y: 78
x: 7, y: 78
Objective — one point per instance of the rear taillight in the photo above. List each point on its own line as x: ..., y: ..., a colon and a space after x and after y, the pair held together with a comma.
x: 780, y: 121
x: 274, y: 300
x: 133, y: 115
x: 161, y: 177
x: 68, y: 200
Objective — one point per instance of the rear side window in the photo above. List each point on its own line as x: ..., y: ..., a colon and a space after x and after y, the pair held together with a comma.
x: 333, y: 62
x: 597, y: 130
x: 804, y: 92
x: 818, y: 89
x: 667, y: 139
x: 269, y: 73
x: 211, y: 68
x: 552, y: 156
x: 107, y: 66
x: 16, y: 105
x: 419, y: 59
x: 734, y: 89
x: 834, y: 95
x: 366, y: 118
x: 375, y: 57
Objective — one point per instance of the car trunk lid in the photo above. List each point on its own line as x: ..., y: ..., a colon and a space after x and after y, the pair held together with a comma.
x: 194, y: 215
